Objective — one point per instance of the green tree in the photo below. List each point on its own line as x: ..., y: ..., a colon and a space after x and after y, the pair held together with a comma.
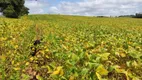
x: 138, y: 15
x: 13, y: 8
x: 10, y: 12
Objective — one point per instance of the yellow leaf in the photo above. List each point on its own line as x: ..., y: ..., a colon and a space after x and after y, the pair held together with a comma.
x: 59, y: 70
x: 117, y: 54
x: 3, y: 57
x: 122, y: 54
x: 12, y: 62
x: 135, y: 78
x: 87, y: 55
x: 47, y: 50
x: 16, y: 69
x: 39, y: 77
x: 120, y: 70
x: 135, y: 64
x: 49, y: 69
x: 18, y: 64
x: 55, y: 72
x: 3, y: 39
x: 27, y: 63
x: 32, y: 49
x: 99, y: 76
x: 42, y: 52
x: 101, y: 70
x: 31, y: 58
x: 104, y: 56
x: 47, y: 56
x: 64, y: 47
x: 16, y: 46
x: 71, y: 78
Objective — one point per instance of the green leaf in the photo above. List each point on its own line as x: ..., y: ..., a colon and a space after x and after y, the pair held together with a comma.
x: 84, y: 71
x: 25, y: 77
x: 39, y: 77
x: 3, y: 57
x: 101, y: 70
x: 118, y: 70
x: 104, y: 56
x: 75, y: 57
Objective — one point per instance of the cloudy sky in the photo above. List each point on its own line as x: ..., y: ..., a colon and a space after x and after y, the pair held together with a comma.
x: 85, y: 7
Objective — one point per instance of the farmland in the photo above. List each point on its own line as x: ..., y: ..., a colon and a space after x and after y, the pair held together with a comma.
x: 70, y: 48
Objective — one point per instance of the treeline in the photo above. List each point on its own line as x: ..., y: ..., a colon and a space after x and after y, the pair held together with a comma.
x: 137, y: 15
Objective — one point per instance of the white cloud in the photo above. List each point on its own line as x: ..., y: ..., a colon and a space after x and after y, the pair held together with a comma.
x: 98, y: 7
x: 0, y: 13
x: 36, y: 7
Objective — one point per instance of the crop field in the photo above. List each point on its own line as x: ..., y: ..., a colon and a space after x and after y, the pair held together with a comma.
x: 60, y: 47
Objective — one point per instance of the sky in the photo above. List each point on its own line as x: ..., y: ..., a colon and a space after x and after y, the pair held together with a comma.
x: 85, y: 7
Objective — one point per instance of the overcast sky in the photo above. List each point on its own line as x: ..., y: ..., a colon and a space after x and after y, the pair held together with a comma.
x: 85, y: 7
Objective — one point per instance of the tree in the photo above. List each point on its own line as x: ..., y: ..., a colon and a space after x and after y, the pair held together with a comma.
x: 138, y: 15
x: 10, y: 12
x: 24, y: 11
x: 13, y: 8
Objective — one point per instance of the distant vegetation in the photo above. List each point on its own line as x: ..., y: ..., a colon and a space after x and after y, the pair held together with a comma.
x: 137, y: 15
